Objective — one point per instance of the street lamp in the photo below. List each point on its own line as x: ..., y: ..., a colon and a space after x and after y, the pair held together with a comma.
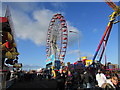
x: 78, y: 43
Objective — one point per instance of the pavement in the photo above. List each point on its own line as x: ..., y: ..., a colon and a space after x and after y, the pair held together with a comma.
x: 36, y: 83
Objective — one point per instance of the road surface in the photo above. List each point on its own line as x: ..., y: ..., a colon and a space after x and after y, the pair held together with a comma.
x: 36, y: 83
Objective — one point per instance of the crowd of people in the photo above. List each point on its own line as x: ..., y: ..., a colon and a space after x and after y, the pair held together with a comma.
x: 72, y: 80
x: 103, y: 82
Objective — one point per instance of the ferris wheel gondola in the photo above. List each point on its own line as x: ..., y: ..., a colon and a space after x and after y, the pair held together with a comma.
x: 57, y: 39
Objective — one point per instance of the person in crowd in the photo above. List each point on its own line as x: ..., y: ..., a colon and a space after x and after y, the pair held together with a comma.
x: 76, y: 79
x: 44, y: 75
x: 60, y: 80
x: 69, y: 81
x: 81, y: 80
x: 21, y: 78
x: 100, y: 78
x: 40, y: 76
x: 49, y: 76
x: 112, y: 83
x: 87, y: 79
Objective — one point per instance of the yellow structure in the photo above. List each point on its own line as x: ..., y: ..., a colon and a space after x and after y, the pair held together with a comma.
x: 52, y: 67
x: 83, y: 58
x: 53, y: 73
x: 88, y: 62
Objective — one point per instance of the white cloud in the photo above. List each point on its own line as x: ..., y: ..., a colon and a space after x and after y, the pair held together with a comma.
x: 31, y: 66
x: 76, y: 52
x: 24, y: 6
x: 73, y: 52
x: 43, y: 17
x: 94, y: 30
x: 34, y: 27
x: 35, y: 30
x: 74, y: 34
x: 88, y: 54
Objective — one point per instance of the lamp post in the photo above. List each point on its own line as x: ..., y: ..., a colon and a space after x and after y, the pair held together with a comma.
x: 78, y: 42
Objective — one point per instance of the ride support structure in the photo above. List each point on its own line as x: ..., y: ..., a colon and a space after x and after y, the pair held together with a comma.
x: 107, y: 32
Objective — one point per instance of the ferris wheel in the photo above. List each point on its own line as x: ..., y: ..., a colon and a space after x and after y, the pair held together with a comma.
x: 57, y: 39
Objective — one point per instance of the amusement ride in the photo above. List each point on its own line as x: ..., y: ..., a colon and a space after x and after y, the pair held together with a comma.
x: 105, y: 37
x: 57, y: 39
x: 56, y: 43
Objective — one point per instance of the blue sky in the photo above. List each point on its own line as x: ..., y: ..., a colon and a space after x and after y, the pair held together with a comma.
x: 89, y: 19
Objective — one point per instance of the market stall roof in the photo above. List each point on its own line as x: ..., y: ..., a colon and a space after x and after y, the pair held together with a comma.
x: 3, y: 19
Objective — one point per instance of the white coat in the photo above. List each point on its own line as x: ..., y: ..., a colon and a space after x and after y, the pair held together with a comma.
x: 101, y: 78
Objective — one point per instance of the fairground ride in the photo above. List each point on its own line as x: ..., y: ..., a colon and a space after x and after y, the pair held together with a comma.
x: 57, y: 39
x: 105, y: 37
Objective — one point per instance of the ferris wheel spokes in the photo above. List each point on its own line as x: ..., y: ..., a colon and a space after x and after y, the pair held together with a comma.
x: 57, y: 38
